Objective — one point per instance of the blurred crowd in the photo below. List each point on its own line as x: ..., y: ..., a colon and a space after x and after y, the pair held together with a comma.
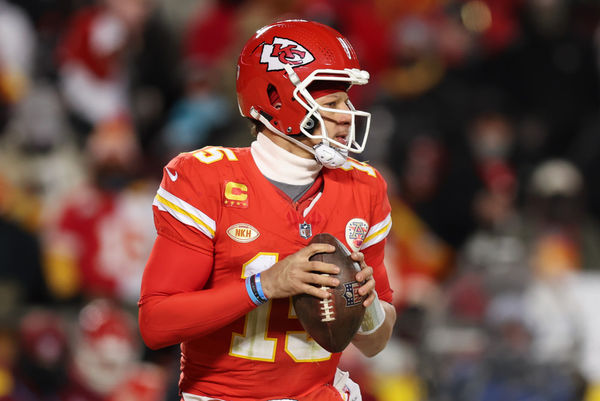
x: 485, y: 124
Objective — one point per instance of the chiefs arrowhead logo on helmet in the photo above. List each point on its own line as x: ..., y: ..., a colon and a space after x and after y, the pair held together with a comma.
x: 284, y: 51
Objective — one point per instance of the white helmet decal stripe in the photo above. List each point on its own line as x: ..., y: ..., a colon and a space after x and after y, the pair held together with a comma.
x: 284, y: 51
x: 345, y: 46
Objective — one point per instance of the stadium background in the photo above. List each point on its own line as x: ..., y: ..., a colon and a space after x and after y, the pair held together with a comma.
x: 485, y: 123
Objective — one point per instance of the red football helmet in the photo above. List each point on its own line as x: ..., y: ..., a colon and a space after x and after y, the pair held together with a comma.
x: 275, y: 71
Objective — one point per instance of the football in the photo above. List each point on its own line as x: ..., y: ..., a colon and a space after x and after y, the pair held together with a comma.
x: 333, y: 322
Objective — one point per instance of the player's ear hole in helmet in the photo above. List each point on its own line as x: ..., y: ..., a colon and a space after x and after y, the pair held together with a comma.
x: 274, y: 96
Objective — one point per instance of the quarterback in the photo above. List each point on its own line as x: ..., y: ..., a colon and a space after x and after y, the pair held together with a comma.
x: 234, y: 226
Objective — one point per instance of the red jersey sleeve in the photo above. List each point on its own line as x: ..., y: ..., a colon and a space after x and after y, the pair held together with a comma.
x: 186, y: 206
x: 373, y: 245
x: 174, y: 305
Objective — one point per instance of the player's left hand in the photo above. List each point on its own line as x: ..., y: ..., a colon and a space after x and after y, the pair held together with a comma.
x: 366, y: 275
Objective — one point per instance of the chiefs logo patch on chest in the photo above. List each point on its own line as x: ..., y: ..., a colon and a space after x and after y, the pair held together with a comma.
x: 242, y: 232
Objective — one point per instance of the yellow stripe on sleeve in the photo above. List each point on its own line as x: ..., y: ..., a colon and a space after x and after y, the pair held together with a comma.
x: 184, y: 212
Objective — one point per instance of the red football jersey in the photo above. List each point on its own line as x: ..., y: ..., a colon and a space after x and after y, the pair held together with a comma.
x: 216, y: 201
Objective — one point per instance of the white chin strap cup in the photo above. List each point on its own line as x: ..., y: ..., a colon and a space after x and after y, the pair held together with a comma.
x: 329, y: 156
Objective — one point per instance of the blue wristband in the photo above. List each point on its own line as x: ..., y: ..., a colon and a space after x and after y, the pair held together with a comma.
x: 252, y: 290
x: 261, y: 293
x: 251, y: 293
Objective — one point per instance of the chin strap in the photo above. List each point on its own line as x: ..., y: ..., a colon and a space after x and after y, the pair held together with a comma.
x: 329, y: 156
x: 325, y: 154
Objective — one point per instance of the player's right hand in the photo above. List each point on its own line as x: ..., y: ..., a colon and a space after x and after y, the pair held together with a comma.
x: 296, y: 274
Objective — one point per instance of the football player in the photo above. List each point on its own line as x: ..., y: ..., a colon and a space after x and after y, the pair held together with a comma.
x: 234, y: 226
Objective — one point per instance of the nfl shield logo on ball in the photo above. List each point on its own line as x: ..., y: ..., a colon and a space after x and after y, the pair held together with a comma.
x: 305, y: 230
x: 351, y: 293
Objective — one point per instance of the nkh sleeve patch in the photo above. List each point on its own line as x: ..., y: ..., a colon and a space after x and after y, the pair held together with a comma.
x: 184, y: 212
